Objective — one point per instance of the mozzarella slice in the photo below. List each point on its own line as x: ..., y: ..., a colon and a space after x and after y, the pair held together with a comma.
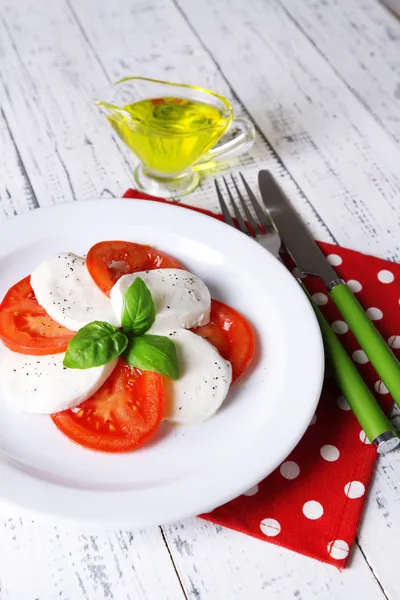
x: 42, y: 385
x: 204, y: 381
x: 181, y: 299
x: 64, y: 288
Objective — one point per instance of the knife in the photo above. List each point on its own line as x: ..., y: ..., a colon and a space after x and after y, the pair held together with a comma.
x: 310, y: 260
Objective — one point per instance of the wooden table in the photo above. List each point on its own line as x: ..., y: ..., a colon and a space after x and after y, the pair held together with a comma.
x: 321, y: 80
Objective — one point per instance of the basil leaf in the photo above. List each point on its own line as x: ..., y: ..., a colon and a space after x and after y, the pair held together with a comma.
x: 96, y: 344
x: 153, y: 353
x: 138, y: 310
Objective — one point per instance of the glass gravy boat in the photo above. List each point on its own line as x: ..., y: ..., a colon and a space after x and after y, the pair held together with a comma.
x: 172, y: 129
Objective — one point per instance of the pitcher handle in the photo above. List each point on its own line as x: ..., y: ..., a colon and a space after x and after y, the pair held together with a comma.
x: 240, y: 144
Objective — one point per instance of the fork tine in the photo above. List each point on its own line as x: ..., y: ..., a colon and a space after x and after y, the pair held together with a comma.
x: 242, y: 225
x: 263, y: 218
x: 224, y: 209
x: 249, y: 216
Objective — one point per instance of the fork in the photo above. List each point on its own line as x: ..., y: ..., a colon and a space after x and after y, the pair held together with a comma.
x: 362, y: 402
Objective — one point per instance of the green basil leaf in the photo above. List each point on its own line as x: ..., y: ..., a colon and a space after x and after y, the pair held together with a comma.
x: 153, y: 353
x: 138, y: 311
x: 96, y: 344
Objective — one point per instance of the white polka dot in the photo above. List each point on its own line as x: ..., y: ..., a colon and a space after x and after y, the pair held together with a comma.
x: 289, y: 469
x: 394, y: 341
x: 270, y: 527
x: 354, y: 489
x: 380, y: 387
x: 354, y: 285
x: 360, y: 357
x: 374, y: 313
x: 297, y: 273
x: 334, y: 259
x: 363, y: 437
x: 338, y: 549
x: 313, y: 420
x: 252, y: 491
x: 330, y: 453
x: 385, y: 276
x: 342, y: 403
x: 320, y: 299
x: 313, y: 510
x: 340, y: 327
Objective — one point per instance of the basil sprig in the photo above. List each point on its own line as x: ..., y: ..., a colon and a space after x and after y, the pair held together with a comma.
x: 138, y: 311
x: 153, y: 353
x: 98, y: 343
x: 94, y: 345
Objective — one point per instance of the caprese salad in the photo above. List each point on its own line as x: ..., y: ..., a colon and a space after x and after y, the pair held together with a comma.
x: 112, y: 344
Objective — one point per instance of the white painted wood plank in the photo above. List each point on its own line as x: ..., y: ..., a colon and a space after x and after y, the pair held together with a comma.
x: 50, y: 563
x: 217, y: 563
x: 340, y: 156
x: 361, y: 40
x: 15, y: 192
x: 380, y: 531
x: 48, y: 80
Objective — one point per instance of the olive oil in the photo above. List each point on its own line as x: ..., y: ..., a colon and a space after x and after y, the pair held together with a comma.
x: 169, y: 134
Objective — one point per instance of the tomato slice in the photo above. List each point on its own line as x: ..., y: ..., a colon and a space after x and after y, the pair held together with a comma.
x: 26, y: 327
x: 108, y: 261
x: 121, y: 416
x: 231, y: 334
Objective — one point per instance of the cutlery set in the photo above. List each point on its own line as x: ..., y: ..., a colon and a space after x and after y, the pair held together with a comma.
x: 277, y: 216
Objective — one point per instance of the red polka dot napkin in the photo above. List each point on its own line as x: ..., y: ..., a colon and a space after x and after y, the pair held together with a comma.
x: 313, y: 502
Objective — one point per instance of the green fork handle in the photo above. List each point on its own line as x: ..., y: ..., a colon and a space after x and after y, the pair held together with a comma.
x: 360, y: 399
x: 374, y: 346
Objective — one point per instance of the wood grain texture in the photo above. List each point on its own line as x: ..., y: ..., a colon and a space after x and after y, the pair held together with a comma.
x: 48, y: 80
x: 49, y: 563
x: 219, y: 563
x: 339, y: 155
x: 361, y: 40
x: 16, y: 194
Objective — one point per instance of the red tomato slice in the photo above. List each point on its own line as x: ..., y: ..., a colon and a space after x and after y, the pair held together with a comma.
x: 121, y: 416
x: 108, y: 261
x: 26, y: 327
x: 231, y: 334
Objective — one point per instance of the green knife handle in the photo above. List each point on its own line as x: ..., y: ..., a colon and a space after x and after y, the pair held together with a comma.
x: 361, y: 401
x: 374, y: 346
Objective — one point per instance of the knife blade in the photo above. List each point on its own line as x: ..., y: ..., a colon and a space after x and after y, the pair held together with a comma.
x: 308, y: 257
x: 292, y: 231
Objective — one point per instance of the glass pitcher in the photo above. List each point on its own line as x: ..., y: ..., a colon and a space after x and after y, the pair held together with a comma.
x: 172, y: 129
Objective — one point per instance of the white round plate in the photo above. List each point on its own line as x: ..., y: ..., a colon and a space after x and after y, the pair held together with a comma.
x: 183, y: 471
